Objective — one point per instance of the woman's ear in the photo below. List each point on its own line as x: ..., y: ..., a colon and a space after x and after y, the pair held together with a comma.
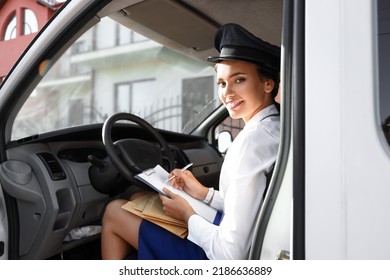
x: 269, y: 85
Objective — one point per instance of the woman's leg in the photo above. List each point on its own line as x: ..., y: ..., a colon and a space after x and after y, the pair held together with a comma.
x: 119, y: 231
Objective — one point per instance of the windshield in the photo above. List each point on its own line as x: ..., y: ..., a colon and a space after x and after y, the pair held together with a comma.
x: 113, y: 69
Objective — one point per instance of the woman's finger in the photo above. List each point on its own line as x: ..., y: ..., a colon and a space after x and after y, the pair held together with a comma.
x: 168, y: 193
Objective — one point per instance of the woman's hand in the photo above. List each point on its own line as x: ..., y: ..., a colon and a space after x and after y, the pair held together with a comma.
x: 176, y: 206
x: 187, y: 182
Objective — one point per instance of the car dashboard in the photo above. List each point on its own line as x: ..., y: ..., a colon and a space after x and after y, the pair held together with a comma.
x: 48, y: 177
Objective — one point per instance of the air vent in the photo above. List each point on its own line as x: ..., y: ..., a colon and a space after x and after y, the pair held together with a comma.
x: 53, y: 166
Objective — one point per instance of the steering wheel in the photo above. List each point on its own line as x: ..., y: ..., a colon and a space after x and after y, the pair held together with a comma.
x: 132, y: 156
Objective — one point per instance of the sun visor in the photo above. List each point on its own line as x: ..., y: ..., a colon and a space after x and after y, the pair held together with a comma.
x: 174, y: 21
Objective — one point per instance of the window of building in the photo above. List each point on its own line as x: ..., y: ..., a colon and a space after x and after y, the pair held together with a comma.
x: 30, y: 22
x: 138, y: 37
x: 122, y: 97
x: 76, y: 112
x: 132, y: 96
x: 30, y: 25
x: 127, y: 36
x: 124, y: 35
x: 111, y: 34
x: 105, y: 36
x: 141, y: 94
x: 10, y: 31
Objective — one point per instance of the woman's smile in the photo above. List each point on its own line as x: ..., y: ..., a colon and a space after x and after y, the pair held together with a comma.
x: 232, y: 105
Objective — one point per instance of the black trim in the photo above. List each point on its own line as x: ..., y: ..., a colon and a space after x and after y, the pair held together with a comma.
x: 285, y: 133
x: 13, y: 227
x: 293, y: 88
x: 298, y: 241
x: 93, y: 132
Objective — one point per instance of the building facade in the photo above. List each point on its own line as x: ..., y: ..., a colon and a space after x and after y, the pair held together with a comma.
x: 20, y: 20
x: 108, y: 69
x: 111, y: 68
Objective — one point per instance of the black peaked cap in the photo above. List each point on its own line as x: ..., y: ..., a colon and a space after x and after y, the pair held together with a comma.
x: 233, y: 41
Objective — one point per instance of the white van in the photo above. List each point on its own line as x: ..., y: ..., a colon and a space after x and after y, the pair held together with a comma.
x: 328, y: 196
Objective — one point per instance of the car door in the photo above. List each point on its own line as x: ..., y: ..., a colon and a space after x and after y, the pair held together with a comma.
x: 331, y: 185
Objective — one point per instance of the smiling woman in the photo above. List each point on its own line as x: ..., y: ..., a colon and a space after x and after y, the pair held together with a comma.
x: 247, y: 94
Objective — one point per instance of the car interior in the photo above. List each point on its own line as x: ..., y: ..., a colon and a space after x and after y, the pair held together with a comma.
x: 64, y: 160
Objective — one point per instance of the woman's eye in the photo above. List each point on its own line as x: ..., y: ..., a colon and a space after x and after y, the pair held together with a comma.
x: 221, y: 84
x: 240, y: 80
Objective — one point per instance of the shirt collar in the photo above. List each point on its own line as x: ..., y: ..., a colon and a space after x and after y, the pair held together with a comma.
x: 254, y: 121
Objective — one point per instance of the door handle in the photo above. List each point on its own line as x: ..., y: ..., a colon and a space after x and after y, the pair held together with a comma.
x: 283, y: 255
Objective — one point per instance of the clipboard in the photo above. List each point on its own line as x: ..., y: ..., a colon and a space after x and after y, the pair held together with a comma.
x: 156, y: 179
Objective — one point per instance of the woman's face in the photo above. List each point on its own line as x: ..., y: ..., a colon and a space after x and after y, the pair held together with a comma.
x: 241, y: 89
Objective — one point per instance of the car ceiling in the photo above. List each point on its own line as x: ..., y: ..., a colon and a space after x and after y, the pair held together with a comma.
x: 262, y: 17
x: 169, y: 22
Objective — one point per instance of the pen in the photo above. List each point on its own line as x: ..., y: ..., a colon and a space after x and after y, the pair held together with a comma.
x: 184, y: 168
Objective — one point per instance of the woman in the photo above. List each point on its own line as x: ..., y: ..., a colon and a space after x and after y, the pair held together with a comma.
x: 247, y: 77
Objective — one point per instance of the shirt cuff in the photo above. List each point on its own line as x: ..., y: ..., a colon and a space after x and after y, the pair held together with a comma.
x: 196, y: 222
x: 209, y: 196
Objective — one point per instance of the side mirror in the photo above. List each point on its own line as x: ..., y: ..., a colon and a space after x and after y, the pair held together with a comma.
x: 225, y: 139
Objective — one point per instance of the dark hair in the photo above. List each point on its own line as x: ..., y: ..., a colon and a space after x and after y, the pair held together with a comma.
x: 266, y: 73
x: 269, y: 74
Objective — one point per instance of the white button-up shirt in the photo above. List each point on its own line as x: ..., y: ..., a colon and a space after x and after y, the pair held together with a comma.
x: 242, y: 184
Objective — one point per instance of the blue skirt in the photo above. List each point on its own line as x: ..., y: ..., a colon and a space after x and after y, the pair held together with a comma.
x: 156, y: 243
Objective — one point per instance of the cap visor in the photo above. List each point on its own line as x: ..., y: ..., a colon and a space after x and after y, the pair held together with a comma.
x: 214, y: 59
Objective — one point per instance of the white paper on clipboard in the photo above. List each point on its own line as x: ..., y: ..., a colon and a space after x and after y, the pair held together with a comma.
x: 156, y: 178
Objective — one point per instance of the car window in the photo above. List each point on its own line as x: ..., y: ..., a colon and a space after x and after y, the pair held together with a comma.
x: 234, y: 126
x: 113, y: 69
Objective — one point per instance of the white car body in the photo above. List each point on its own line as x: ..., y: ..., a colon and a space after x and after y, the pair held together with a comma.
x: 330, y: 187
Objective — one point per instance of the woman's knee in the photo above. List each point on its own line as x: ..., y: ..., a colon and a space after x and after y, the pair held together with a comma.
x: 113, y: 209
